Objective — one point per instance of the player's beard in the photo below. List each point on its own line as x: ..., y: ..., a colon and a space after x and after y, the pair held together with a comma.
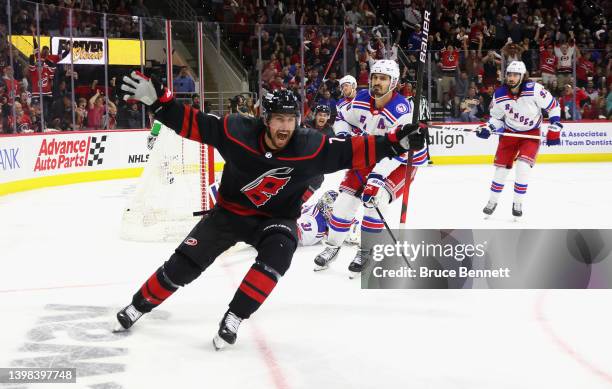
x: 378, y: 92
x: 280, y: 139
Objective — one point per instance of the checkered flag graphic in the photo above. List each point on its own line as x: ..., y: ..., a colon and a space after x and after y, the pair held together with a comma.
x: 96, y: 150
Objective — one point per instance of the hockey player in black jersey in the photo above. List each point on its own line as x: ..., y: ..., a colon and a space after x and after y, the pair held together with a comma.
x: 268, y: 164
x: 320, y: 121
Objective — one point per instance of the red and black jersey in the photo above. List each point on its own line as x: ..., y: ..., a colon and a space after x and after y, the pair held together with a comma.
x: 257, y: 181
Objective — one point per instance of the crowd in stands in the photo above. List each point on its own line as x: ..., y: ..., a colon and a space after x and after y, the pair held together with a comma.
x: 470, y: 42
x: 94, y: 106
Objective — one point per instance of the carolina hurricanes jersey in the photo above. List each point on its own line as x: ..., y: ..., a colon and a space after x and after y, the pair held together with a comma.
x: 259, y: 181
x: 523, y: 112
x: 46, y: 76
x: 361, y: 116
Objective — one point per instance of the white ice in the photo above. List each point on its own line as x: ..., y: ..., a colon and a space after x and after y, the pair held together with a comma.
x: 59, y: 250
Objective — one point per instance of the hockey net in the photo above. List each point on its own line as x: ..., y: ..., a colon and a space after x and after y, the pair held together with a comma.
x: 175, y: 183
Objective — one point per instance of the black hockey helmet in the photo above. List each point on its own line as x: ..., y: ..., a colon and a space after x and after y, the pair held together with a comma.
x: 281, y: 101
x: 322, y: 108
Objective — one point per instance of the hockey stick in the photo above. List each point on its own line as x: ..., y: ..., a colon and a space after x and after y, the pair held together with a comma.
x: 510, y: 134
x: 416, y: 114
x: 382, y: 218
x: 329, y: 64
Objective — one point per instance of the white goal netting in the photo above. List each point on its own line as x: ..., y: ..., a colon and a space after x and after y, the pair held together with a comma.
x: 173, y: 186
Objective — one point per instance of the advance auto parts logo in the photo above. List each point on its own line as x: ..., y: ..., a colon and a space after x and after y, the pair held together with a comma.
x: 57, y: 154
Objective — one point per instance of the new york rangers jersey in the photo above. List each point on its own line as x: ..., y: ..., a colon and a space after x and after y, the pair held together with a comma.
x: 523, y: 112
x: 312, y: 226
x: 360, y: 116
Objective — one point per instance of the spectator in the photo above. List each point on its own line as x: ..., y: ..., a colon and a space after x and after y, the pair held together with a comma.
x: 591, y: 91
x: 448, y: 65
x: 548, y: 65
x: 80, y: 113
x: 565, y: 56
x: 24, y: 123
x: 470, y: 107
x: 571, y: 106
x: 61, y: 114
x: 184, y: 83
x: 95, y: 112
x: 585, y: 70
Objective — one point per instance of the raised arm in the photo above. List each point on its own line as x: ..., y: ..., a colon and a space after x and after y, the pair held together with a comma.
x: 185, y: 120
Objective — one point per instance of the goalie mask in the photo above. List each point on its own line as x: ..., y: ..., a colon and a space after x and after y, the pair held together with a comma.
x: 326, y: 203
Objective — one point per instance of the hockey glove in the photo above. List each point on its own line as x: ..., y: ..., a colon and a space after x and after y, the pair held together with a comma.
x: 144, y: 89
x: 484, y: 131
x: 409, y: 137
x: 553, y: 134
x: 374, y: 182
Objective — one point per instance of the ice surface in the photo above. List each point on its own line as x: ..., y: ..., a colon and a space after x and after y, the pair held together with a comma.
x: 64, y: 273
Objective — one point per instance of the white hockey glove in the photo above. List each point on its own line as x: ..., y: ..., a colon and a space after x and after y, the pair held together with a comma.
x: 144, y: 89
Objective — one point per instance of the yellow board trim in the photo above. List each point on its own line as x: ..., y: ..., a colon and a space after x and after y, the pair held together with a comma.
x: 75, y: 178
x: 66, y: 179
x: 546, y: 158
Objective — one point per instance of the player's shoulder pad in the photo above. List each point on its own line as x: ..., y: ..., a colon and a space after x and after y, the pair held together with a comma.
x: 343, y: 103
x: 243, y: 129
x: 306, y: 142
x: 361, y: 100
x: 400, y: 105
x: 362, y: 96
x: 537, y: 87
x: 501, y: 91
x: 528, y: 87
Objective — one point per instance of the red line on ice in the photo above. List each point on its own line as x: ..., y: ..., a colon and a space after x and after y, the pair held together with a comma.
x: 539, y: 312
x: 274, y: 368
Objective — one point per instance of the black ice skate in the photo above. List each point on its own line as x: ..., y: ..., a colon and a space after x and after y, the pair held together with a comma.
x: 126, y: 318
x: 228, y: 330
x: 360, y: 260
x: 517, y: 210
x: 489, y: 209
x: 323, y: 260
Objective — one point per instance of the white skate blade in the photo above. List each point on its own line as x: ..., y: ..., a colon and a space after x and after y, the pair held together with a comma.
x: 321, y: 268
x: 118, y: 327
x: 219, y: 343
x: 354, y: 274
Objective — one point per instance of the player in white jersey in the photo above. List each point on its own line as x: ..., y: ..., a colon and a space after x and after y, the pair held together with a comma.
x: 348, y: 85
x: 517, y: 107
x: 375, y: 112
x: 313, y: 224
